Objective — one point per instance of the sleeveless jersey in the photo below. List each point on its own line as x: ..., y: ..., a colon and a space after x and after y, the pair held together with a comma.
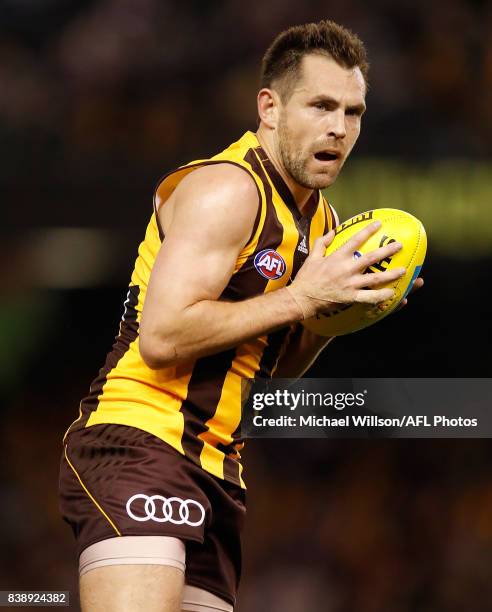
x: 196, y: 406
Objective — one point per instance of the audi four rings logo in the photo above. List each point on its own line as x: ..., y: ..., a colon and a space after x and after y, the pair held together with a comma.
x: 173, y: 510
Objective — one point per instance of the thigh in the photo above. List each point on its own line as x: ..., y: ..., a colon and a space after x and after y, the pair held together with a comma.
x: 133, y: 573
x: 131, y: 588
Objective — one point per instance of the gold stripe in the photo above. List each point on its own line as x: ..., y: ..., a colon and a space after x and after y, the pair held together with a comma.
x: 89, y: 494
x: 241, y: 481
x: 318, y: 223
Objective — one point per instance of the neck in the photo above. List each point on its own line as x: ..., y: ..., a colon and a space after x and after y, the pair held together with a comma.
x: 266, y: 139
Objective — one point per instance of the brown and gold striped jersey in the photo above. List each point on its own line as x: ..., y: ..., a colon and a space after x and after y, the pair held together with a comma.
x: 196, y: 406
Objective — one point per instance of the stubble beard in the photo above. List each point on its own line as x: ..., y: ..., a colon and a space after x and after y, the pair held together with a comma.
x: 295, y: 164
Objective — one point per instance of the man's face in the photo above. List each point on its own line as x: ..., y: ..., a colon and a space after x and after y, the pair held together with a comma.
x: 320, y: 122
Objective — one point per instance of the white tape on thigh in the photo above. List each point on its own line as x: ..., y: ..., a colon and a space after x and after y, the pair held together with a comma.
x: 199, y: 600
x: 134, y: 550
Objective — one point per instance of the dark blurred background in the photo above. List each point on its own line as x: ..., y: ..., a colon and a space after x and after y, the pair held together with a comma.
x: 97, y: 100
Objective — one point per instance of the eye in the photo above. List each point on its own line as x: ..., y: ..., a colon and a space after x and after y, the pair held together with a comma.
x: 320, y: 105
x: 354, y: 112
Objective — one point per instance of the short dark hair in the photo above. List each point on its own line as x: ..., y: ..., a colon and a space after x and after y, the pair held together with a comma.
x: 282, y: 61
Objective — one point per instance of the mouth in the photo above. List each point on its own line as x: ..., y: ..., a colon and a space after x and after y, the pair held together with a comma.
x: 327, y: 155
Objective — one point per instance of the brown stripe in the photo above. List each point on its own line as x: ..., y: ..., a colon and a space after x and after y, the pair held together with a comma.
x: 327, y: 224
x: 280, y: 185
x: 203, y: 395
x: 158, y: 222
x: 231, y: 466
x: 232, y: 470
x: 271, y: 353
x: 128, y: 333
x: 304, y: 229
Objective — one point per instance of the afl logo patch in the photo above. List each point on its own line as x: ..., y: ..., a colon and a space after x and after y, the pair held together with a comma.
x: 270, y: 264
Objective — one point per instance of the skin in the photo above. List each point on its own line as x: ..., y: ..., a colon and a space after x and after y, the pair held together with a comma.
x: 132, y: 588
x: 323, y: 111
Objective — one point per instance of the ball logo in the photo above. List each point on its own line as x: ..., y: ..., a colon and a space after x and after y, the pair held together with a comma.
x: 270, y: 264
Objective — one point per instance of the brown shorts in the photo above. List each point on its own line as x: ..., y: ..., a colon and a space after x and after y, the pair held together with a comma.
x: 118, y: 480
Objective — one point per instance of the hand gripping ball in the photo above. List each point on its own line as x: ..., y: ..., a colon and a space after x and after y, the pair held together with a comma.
x: 395, y: 225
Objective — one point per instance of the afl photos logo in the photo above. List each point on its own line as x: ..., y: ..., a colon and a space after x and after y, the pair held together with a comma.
x: 270, y: 264
x: 165, y: 510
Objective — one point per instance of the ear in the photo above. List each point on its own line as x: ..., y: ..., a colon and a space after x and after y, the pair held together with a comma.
x: 268, y: 107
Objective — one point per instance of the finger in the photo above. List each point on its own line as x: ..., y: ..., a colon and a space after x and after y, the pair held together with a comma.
x: 377, y: 279
x: 378, y: 255
x: 357, y: 239
x: 374, y: 296
x: 417, y: 284
x: 321, y: 244
x: 401, y: 305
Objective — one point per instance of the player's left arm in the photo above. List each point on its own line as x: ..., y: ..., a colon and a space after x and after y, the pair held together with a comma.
x: 300, y: 353
x: 304, y: 347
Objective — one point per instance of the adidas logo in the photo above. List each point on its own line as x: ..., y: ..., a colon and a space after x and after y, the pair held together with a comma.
x: 302, y: 246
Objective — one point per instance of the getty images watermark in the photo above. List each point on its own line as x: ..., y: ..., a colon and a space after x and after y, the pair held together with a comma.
x: 368, y: 407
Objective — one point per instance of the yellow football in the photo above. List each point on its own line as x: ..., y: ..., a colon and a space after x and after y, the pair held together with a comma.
x: 395, y: 225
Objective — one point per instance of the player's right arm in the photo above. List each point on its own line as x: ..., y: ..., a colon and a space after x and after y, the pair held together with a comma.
x: 214, y: 209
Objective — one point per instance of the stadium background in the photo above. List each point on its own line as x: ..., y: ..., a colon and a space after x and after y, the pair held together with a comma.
x: 98, y: 99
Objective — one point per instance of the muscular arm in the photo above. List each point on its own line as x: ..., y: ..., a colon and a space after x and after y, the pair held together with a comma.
x: 213, y: 215
x: 214, y: 212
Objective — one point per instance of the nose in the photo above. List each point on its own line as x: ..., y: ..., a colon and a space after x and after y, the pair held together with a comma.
x: 336, y: 127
